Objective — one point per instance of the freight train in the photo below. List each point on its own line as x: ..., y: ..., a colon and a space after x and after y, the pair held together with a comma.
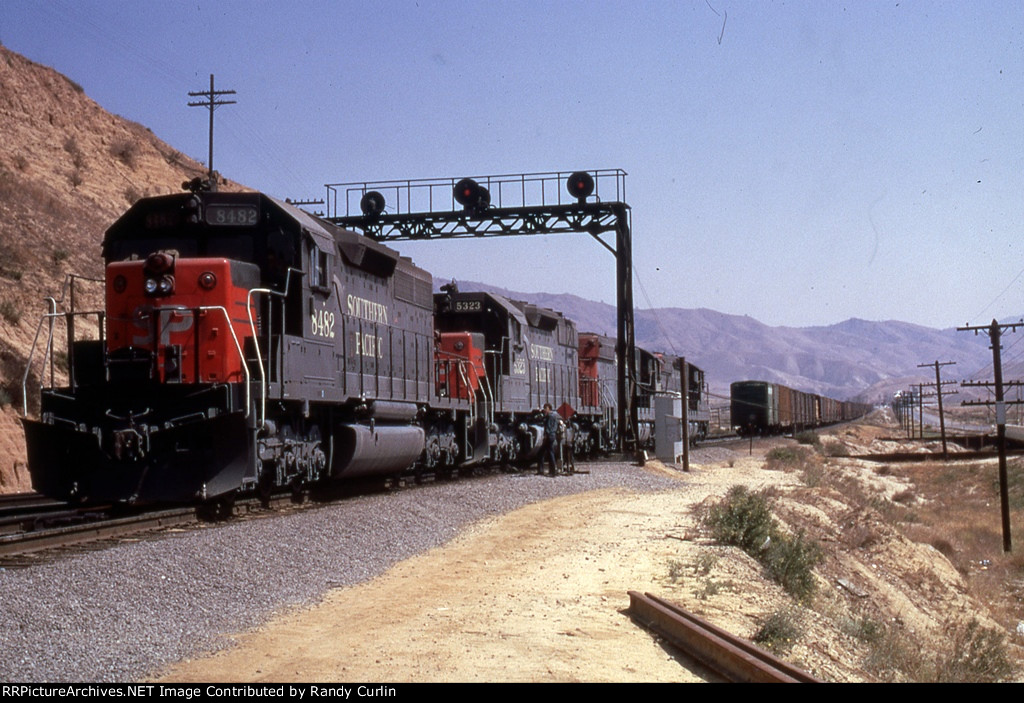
x: 759, y: 407
x: 248, y: 346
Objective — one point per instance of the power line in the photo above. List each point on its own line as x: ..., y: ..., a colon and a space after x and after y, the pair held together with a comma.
x: 1001, y: 294
x: 650, y: 306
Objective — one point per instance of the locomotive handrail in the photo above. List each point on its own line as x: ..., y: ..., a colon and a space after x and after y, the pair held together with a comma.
x: 262, y: 419
x: 32, y: 353
x: 259, y: 355
x: 183, y: 310
x: 443, y: 366
x: 488, y: 400
x: 49, y: 346
x: 53, y: 315
x: 496, y: 355
x: 69, y: 282
x: 460, y: 365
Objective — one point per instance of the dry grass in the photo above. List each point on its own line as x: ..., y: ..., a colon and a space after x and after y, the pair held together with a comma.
x: 976, y: 654
x: 953, y: 508
x: 780, y: 630
x: 958, y: 511
x: 10, y: 312
x: 893, y: 655
x: 126, y: 151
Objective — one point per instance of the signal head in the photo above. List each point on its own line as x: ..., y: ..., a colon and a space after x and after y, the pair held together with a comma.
x: 580, y: 185
x: 465, y: 192
x: 471, y: 195
x: 372, y: 203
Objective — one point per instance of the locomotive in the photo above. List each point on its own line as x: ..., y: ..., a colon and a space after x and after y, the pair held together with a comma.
x: 246, y: 345
x: 658, y: 374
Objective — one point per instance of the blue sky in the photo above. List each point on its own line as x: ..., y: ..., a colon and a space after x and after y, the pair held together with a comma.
x: 799, y: 162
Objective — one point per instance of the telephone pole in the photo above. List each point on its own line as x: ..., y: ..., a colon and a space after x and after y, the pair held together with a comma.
x: 685, y: 389
x: 995, y: 331
x: 921, y: 410
x: 212, y: 103
x: 938, y: 392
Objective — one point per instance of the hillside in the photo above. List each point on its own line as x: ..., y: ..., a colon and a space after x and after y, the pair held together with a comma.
x: 67, y: 169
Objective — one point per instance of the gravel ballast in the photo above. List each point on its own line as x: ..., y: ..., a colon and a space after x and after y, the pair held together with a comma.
x: 122, y: 613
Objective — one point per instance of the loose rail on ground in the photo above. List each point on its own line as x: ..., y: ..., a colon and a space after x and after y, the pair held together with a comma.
x: 734, y: 658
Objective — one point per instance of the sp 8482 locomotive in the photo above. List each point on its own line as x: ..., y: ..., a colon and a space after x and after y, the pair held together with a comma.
x: 246, y: 345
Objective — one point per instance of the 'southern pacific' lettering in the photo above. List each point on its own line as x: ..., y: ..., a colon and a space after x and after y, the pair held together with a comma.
x: 542, y: 353
x: 367, y: 309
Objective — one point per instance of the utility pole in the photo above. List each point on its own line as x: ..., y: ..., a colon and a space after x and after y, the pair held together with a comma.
x: 908, y: 413
x: 921, y: 410
x: 212, y: 103
x: 684, y: 370
x: 995, y: 331
x: 938, y: 392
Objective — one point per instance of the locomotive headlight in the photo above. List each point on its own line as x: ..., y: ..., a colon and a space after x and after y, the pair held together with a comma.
x: 166, y: 285
x: 150, y: 286
x: 120, y: 283
x: 207, y: 280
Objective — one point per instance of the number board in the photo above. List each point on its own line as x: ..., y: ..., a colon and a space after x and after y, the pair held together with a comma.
x: 468, y: 306
x: 232, y: 215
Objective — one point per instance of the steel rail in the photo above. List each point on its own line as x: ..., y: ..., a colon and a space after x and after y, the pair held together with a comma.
x: 15, y: 502
x: 736, y: 659
x: 37, y: 540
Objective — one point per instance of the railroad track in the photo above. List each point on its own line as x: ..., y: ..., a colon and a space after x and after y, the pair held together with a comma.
x: 56, y: 531
x: 34, y: 531
x: 735, y: 659
x: 60, y: 537
x: 21, y: 503
x: 34, y: 528
x: 718, y: 439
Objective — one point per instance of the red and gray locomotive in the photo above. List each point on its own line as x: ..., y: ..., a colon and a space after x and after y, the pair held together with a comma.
x: 246, y: 345
x: 526, y: 358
